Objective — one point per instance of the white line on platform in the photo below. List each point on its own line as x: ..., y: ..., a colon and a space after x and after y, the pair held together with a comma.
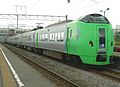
x: 20, y: 84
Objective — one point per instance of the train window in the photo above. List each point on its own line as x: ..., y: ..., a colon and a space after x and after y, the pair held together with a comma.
x: 62, y: 36
x: 29, y: 38
x: 94, y: 18
x: 86, y: 19
x: 101, y: 38
x: 46, y: 36
x: 100, y: 19
x: 70, y: 33
x: 43, y: 37
x: 58, y: 36
x: 50, y: 37
x: 53, y: 37
x: 24, y: 38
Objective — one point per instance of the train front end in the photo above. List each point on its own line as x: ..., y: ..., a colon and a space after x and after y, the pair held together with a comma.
x: 94, y: 37
x: 99, y: 39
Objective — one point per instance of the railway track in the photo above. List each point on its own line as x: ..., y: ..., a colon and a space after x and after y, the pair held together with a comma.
x: 108, y: 73
x: 112, y: 73
x: 56, y: 78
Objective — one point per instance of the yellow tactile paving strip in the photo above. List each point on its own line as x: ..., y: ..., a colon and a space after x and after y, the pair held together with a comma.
x: 8, y: 80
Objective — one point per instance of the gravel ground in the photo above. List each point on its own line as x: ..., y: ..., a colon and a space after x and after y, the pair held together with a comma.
x: 81, y: 77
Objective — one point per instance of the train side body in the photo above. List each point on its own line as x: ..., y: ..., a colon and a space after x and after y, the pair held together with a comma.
x: 52, y: 37
x: 14, y: 40
x: 28, y: 39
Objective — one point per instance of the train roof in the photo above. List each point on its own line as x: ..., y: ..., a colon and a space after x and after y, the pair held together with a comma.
x: 62, y: 22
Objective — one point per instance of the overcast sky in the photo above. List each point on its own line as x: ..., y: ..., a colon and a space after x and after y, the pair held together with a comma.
x: 74, y: 9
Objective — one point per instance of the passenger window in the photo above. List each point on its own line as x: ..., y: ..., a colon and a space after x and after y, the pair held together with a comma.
x: 56, y: 36
x: 62, y: 36
x: 46, y: 36
x: 53, y: 37
x: 43, y: 37
x: 50, y: 37
x: 59, y: 36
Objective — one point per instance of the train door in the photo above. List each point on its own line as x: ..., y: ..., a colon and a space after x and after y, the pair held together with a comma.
x: 34, y: 39
x: 35, y: 35
x: 69, y: 41
x: 102, y: 39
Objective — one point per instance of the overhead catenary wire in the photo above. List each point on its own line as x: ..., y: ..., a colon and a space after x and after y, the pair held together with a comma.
x: 34, y: 4
x: 94, y: 1
x: 84, y: 7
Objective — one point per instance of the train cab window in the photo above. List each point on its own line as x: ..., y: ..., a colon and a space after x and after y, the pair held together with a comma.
x: 86, y: 19
x: 101, y: 38
x: 94, y: 18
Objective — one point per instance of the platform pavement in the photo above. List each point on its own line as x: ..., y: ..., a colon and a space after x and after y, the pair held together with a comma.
x: 6, y: 77
x: 28, y: 75
x: 1, y: 83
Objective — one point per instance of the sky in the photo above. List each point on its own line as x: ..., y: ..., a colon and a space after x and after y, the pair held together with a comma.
x: 74, y: 9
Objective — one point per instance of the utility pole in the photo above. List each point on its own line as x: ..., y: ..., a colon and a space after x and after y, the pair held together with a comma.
x: 66, y: 17
x: 68, y: 1
x: 21, y: 9
x: 17, y: 20
x: 17, y: 13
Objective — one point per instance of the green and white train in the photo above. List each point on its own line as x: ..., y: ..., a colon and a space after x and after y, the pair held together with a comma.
x: 88, y: 39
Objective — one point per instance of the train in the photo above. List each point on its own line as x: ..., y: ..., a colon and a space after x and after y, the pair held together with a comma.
x: 88, y: 40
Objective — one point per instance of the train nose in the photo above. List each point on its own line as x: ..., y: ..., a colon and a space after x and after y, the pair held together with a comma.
x: 101, y: 56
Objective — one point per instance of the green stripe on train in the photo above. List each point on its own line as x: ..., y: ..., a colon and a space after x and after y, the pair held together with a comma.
x: 37, y: 40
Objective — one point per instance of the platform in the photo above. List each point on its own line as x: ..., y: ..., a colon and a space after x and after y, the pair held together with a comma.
x: 117, y: 46
x: 6, y: 77
x: 28, y: 75
x: 116, y: 54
